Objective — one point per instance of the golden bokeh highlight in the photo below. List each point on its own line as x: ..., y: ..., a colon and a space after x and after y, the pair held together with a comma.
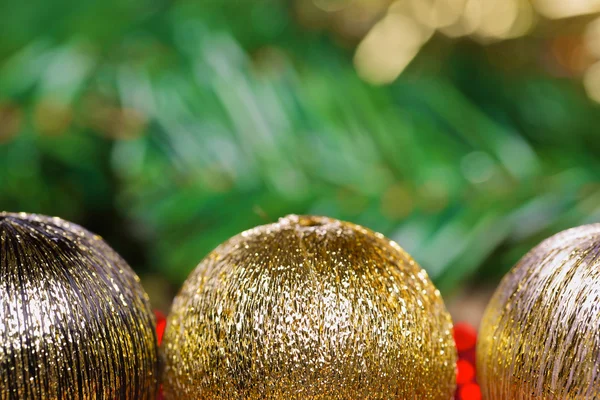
x: 437, y: 13
x: 392, y: 33
x: 592, y: 38
x: 389, y: 47
x: 591, y: 82
x: 407, y: 25
x: 557, y: 9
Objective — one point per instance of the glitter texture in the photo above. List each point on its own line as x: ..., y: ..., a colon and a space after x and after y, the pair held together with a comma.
x: 309, y: 308
x: 540, y: 337
x: 75, y: 322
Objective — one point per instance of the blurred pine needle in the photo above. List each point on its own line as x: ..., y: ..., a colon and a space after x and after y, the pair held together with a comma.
x: 170, y: 127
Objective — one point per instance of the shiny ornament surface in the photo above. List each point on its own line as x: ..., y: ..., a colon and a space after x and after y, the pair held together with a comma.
x: 75, y: 322
x: 540, y: 337
x: 309, y: 308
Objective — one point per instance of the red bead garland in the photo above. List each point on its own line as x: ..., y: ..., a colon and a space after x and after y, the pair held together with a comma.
x: 466, y: 372
x: 465, y: 337
x: 161, y: 324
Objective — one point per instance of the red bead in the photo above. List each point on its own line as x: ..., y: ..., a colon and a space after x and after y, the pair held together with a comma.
x: 465, y: 336
x: 161, y: 323
x: 470, y: 391
x: 468, y: 355
x: 466, y: 372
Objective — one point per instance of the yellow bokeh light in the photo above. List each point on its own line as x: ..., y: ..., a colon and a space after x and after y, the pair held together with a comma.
x: 592, y: 37
x: 566, y: 8
x: 389, y: 47
x: 437, y: 13
x: 468, y: 22
x: 358, y: 18
x: 525, y: 21
x: 493, y: 19
x: 497, y: 17
x: 591, y: 81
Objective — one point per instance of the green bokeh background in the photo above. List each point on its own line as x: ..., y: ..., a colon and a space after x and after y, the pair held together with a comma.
x: 169, y: 126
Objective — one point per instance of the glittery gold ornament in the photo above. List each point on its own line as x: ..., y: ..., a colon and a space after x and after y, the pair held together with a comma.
x: 309, y: 308
x: 75, y: 322
x: 540, y: 336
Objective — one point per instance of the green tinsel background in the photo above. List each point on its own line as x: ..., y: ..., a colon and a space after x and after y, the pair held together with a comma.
x: 169, y: 126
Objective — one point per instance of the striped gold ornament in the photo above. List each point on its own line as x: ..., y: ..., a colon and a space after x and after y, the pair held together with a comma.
x: 309, y: 308
x: 540, y: 336
x: 75, y: 322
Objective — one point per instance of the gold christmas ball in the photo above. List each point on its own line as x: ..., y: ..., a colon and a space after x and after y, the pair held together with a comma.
x: 309, y: 308
x: 540, y: 336
x: 75, y: 322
